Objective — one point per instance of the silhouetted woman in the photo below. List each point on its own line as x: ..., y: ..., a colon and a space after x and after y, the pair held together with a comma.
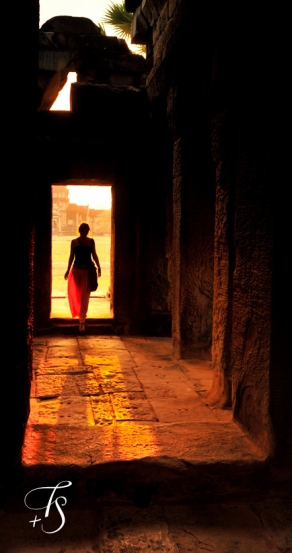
x: 82, y: 249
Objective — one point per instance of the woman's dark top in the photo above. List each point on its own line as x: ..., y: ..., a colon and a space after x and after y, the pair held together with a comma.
x: 82, y: 255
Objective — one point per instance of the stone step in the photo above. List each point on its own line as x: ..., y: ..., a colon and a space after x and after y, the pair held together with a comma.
x: 94, y: 327
x: 163, y: 480
x: 118, y: 524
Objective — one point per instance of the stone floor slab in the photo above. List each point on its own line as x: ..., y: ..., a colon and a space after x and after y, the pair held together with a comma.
x: 73, y: 411
x: 102, y: 410
x: 120, y: 384
x: 132, y: 538
x: 208, y: 442
x: 108, y: 372
x: 60, y: 352
x: 160, y: 371
x: 88, y: 385
x: 142, y: 343
x: 63, y: 369
x: 104, y: 348
x: 62, y: 341
x: 277, y: 522
x: 169, y: 389
x: 132, y: 407
x: 187, y: 410
x: 92, y: 342
x: 61, y: 362
x: 230, y: 528
x: 113, y: 526
x: 196, y: 367
x: 55, y: 385
x: 107, y: 361
x: 154, y: 357
x: 40, y: 341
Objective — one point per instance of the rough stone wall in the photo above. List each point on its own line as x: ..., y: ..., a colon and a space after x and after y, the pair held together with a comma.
x: 229, y: 73
x: 252, y: 283
x: 251, y: 355
x: 261, y: 328
x: 171, y: 37
x: 193, y: 205
x: 125, y: 258
x: 155, y: 228
x: 281, y: 327
x: 43, y: 251
x: 223, y: 135
x: 196, y: 255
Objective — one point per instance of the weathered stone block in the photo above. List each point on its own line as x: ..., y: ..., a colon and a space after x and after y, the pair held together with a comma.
x: 69, y: 24
x: 155, y: 33
x: 111, y: 104
x: 177, y: 159
x: 163, y: 19
x: 140, y: 28
x: 172, y: 4
x: 147, y: 8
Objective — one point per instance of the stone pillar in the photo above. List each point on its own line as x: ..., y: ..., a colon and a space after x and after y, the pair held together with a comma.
x: 193, y: 227
x: 251, y: 320
x: 43, y: 252
x: 176, y: 252
x: 155, y: 228
x: 252, y: 279
x: 281, y: 326
x: 124, y: 248
x: 223, y: 140
x: 261, y: 323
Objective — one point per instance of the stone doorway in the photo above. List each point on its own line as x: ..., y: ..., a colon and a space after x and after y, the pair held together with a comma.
x: 70, y: 206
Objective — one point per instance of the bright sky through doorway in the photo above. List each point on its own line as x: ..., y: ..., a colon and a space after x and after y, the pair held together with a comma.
x: 97, y: 197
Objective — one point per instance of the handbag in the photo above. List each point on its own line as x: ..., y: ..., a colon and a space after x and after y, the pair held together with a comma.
x: 92, y: 276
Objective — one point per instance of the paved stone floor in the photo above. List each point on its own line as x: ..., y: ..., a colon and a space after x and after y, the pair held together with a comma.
x: 123, y: 399
x: 152, y: 467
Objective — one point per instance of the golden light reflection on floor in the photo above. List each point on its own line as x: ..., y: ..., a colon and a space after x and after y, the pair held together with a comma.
x: 136, y: 441
x: 81, y: 414
x: 39, y: 446
x: 102, y: 362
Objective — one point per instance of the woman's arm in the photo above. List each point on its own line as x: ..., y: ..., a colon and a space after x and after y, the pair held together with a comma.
x: 95, y: 257
x: 70, y: 261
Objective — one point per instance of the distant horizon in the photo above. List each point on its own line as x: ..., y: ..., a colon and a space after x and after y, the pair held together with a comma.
x: 94, y: 196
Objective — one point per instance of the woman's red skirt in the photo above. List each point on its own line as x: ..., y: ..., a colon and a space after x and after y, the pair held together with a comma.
x: 78, y: 293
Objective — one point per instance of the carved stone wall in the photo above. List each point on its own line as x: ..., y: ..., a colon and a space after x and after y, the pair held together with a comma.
x: 185, y: 93
x: 220, y: 102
